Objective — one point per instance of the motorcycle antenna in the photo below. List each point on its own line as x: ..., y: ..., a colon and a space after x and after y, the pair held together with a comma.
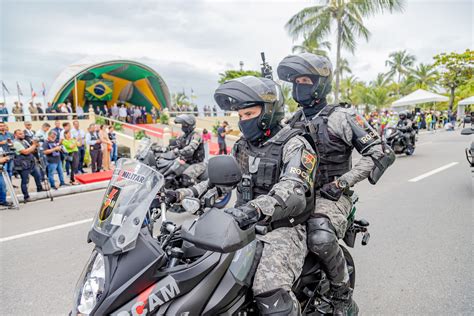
x: 266, y: 69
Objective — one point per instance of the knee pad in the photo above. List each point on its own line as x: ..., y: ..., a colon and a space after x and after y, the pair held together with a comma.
x: 322, y: 238
x: 275, y: 303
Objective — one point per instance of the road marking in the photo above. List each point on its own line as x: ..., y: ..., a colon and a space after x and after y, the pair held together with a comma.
x: 432, y: 172
x: 45, y: 230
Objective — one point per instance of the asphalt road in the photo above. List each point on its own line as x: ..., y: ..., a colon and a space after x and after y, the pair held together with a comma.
x: 419, y: 260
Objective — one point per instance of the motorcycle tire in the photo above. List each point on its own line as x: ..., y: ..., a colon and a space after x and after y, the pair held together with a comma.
x: 224, y: 201
x: 350, y: 266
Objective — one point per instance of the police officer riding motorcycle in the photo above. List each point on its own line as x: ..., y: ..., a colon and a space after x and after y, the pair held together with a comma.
x: 189, y: 147
x: 276, y: 190
x: 336, y: 129
x: 405, y: 126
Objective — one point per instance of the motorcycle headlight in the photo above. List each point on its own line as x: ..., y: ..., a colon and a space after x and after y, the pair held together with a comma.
x: 388, y: 133
x: 90, y: 286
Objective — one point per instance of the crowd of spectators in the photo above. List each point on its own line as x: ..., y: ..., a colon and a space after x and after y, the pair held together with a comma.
x: 429, y: 120
x: 49, y: 151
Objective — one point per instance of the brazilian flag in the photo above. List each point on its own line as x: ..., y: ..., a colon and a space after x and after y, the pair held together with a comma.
x: 99, y: 90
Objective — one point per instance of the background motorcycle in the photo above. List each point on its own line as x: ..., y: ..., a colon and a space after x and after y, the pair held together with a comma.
x: 396, y: 140
x: 469, y: 131
x: 204, y: 267
x: 166, y: 162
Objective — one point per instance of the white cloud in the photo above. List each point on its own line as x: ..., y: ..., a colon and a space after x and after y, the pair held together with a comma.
x: 191, y: 42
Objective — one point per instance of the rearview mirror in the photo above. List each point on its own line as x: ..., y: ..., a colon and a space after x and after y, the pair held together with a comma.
x: 224, y: 171
x: 467, y: 131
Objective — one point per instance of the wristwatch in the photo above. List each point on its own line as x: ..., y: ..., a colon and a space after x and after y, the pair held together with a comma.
x: 342, y: 184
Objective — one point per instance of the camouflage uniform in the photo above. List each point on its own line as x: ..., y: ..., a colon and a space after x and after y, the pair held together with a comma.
x: 284, y: 248
x: 339, y: 126
x: 191, y: 147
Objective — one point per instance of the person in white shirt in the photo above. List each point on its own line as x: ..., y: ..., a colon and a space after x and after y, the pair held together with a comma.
x: 80, y: 136
x: 115, y: 111
x: 80, y: 112
x: 42, y: 133
x: 123, y: 113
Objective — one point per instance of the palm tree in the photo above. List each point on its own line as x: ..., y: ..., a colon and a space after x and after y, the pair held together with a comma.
x: 347, y: 89
x: 180, y: 99
x: 286, y: 90
x: 343, y: 68
x: 400, y: 63
x: 424, y: 76
x: 311, y: 45
x: 382, y: 80
x: 346, y: 16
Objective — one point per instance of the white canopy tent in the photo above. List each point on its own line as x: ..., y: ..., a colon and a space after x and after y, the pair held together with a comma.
x: 417, y: 97
x: 462, y: 105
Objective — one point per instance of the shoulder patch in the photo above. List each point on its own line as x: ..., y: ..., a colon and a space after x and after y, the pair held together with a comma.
x: 308, y: 160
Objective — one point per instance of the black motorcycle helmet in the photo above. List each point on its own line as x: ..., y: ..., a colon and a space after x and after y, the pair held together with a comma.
x: 248, y: 91
x: 402, y: 115
x: 318, y: 68
x: 187, y: 121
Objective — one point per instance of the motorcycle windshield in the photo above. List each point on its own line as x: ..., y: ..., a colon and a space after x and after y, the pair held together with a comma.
x: 143, y: 148
x: 125, y: 204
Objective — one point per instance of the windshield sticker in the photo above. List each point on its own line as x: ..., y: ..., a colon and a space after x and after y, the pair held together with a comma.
x: 128, y: 175
x: 109, y: 202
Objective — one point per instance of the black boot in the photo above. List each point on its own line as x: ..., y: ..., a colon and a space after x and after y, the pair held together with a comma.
x: 341, y: 298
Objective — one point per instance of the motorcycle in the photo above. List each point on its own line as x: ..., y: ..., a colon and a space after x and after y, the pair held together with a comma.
x: 396, y: 140
x: 203, y: 267
x: 166, y: 162
x: 469, y: 151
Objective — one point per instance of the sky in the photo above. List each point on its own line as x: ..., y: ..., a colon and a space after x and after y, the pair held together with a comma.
x: 189, y: 42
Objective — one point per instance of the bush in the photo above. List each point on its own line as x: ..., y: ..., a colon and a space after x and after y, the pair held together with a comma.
x: 99, y: 120
x: 118, y: 127
x: 215, y: 127
x: 164, y: 119
x: 139, y: 135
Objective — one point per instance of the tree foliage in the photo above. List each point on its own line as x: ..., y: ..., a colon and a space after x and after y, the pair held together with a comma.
x: 232, y: 74
x: 345, y: 18
x: 454, y: 70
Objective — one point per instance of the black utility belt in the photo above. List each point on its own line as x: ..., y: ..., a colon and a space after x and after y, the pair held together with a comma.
x: 94, y: 147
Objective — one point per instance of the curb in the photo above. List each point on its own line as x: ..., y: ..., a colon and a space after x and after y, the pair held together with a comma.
x: 64, y: 191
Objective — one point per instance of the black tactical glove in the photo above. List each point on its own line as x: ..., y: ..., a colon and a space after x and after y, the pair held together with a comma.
x: 245, y: 215
x: 172, y: 197
x: 331, y: 192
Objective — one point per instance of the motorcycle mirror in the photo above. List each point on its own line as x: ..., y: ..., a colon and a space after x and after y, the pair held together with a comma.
x: 191, y: 205
x: 223, y: 171
x: 467, y: 131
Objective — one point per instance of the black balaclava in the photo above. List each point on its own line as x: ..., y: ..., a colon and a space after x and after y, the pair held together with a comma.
x: 186, y: 128
x: 251, y: 130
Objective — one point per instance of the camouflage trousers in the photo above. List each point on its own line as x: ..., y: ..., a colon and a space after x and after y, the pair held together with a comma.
x: 195, y: 170
x: 284, y: 252
x: 336, y: 211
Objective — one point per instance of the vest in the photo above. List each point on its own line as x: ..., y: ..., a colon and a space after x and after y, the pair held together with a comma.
x: 198, y: 155
x: 334, y: 154
x: 94, y: 136
x: 261, y: 168
x: 24, y: 162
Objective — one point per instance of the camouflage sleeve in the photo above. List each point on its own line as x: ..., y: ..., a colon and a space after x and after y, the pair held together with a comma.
x: 354, y: 130
x: 195, y: 191
x: 188, y: 150
x: 288, y: 196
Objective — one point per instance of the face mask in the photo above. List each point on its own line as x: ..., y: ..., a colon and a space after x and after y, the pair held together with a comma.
x: 310, y: 111
x: 250, y: 129
x: 186, y: 129
x: 303, y: 94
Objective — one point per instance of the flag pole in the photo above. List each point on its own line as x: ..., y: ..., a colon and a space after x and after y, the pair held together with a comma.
x: 3, y: 92
x: 19, y: 101
x: 45, y: 106
x: 75, y: 93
